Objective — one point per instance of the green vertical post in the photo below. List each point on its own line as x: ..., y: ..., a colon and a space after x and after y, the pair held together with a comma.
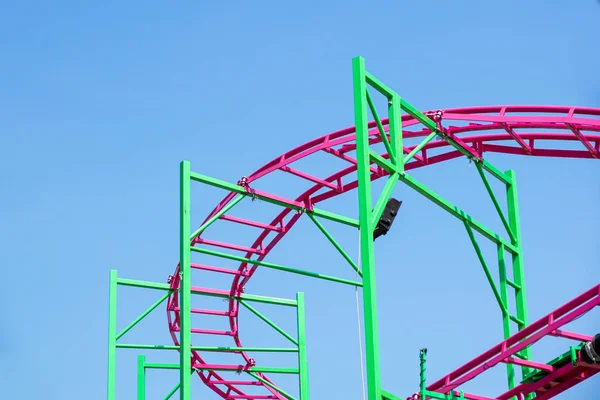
x: 185, y: 361
x: 302, y: 359
x: 141, y: 377
x: 395, y: 118
x: 112, y: 335
x: 510, y: 368
x: 517, y: 260
x: 367, y: 257
x: 422, y: 373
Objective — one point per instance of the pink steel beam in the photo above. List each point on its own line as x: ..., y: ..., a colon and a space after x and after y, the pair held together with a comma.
x: 205, y: 312
x: 517, y: 342
x: 585, y: 142
x: 571, y: 335
x: 480, y: 135
x: 554, y: 383
x: 217, y: 269
x: 251, y: 223
x: 525, y: 363
x: 228, y: 246
x: 309, y: 177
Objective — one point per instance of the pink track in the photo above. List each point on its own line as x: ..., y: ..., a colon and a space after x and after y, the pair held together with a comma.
x: 498, y: 129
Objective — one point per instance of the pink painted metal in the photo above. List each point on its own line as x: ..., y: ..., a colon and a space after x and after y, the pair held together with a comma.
x: 490, y: 129
x: 218, y: 269
x: 508, y: 348
x: 229, y: 246
x: 251, y: 223
x: 571, y: 335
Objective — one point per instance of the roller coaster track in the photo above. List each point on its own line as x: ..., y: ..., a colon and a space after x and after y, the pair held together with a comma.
x: 519, y: 130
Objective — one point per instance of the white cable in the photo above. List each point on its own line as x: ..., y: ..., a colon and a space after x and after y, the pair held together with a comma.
x: 362, y: 366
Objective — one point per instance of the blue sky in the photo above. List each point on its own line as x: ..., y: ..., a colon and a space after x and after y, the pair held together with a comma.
x: 100, y: 102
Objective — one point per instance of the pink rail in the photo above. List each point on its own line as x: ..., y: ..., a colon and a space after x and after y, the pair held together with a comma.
x: 506, y: 350
x: 480, y: 130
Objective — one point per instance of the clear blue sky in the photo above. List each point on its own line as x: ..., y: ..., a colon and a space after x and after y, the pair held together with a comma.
x: 99, y: 103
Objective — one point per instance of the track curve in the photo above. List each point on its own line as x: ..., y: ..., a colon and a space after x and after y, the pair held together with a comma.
x: 501, y: 129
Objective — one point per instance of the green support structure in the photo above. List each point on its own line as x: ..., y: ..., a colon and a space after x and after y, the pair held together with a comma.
x: 370, y: 212
x: 302, y: 359
x: 244, y: 299
x: 426, y: 394
x: 368, y: 218
x: 112, y: 335
x: 185, y: 360
x: 367, y: 253
x: 517, y: 263
x: 141, y: 388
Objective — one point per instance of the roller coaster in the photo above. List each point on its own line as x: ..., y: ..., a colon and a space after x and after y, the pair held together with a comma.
x: 411, y: 139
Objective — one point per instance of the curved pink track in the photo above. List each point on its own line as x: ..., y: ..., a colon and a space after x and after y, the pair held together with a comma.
x: 502, y: 129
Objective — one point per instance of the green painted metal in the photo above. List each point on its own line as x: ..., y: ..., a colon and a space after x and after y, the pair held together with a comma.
x: 302, y: 359
x: 395, y: 125
x: 267, y: 300
x: 335, y: 217
x: 161, y: 366
x: 143, y: 315
x: 253, y: 349
x: 573, y: 353
x: 486, y: 270
x: 141, y: 377
x: 386, y: 193
x: 366, y: 156
x: 385, y: 395
x: 423, y: 373
x: 146, y: 346
x: 374, y: 82
x: 430, y: 124
x: 172, y: 392
x: 367, y: 253
x: 112, y: 335
x: 426, y: 394
x: 215, y: 217
x: 496, y: 173
x: 249, y: 297
x: 422, y: 118
x: 241, y: 190
x: 209, y: 348
x: 456, y: 212
x: 269, y: 322
x: 243, y: 299
x: 269, y: 384
x: 517, y: 262
x: 368, y: 218
x: 495, y: 201
x: 381, y: 162
x: 384, y: 138
x: 335, y: 244
x: 275, y: 266
x: 510, y: 368
x: 185, y: 339
x: 143, y: 284
x: 568, y: 357
x: 420, y: 146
